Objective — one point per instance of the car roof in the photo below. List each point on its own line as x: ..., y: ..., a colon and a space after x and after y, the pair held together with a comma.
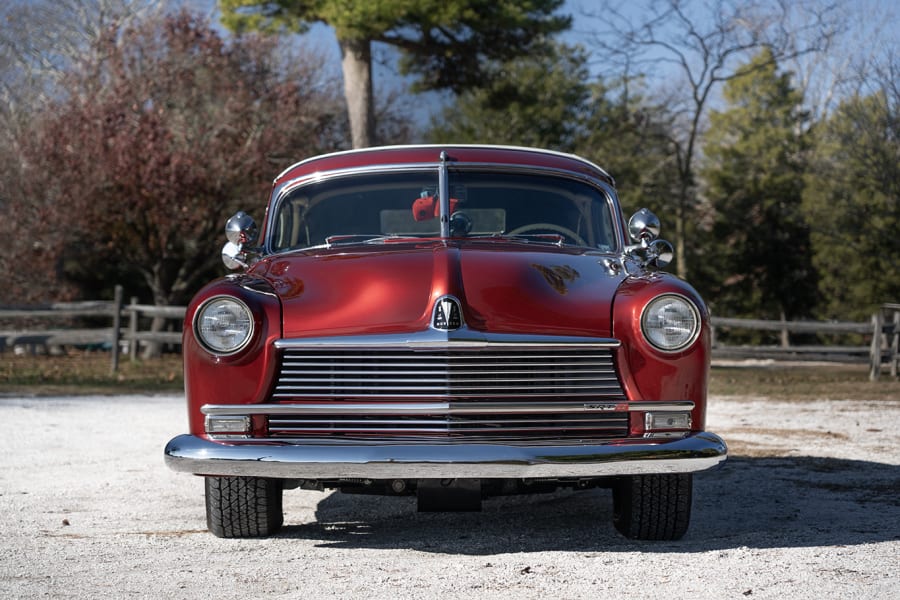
x: 421, y: 154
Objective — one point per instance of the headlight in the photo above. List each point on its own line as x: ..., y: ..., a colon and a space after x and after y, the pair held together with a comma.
x: 670, y: 322
x: 224, y: 325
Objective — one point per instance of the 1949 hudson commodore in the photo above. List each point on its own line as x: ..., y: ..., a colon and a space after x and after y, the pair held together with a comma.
x: 449, y: 322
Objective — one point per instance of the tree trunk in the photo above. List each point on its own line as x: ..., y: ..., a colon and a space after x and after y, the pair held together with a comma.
x: 681, y: 266
x: 153, y: 349
x: 161, y: 297
x: 356, y: 64
x: 680, y: 241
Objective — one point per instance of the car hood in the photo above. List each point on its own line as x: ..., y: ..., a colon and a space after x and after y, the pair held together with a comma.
x: 502, y: 286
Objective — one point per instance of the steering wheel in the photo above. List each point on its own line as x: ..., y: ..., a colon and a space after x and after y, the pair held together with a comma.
x: 565, y: 231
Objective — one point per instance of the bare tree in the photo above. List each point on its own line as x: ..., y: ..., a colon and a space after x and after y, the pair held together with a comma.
x: 699, y: 45
x: 852, y: 58
x: 42, y: 39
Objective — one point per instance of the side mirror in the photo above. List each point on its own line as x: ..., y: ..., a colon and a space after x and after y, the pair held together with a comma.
x: 240, y: 229
x: 660, y: 253
x: 648, y: 251
x: 643, y: 226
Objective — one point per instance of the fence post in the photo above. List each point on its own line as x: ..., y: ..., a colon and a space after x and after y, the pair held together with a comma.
x: 785, y: 336
x: 132, y: 330
x: 116, y: 325
x: 875, y: 351
x: 895, y: 343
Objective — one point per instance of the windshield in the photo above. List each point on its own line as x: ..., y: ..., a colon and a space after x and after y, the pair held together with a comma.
x: 371, y: 207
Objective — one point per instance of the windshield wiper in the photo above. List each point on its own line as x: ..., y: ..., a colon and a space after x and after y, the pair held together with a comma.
x: 364, y: 238
x: 556, y: 239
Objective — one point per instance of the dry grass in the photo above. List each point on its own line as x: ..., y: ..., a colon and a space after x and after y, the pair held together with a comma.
x: 797, y: 381
x: 89, y: 373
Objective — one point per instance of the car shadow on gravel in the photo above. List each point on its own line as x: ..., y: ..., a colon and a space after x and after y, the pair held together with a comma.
x: 769, y: 502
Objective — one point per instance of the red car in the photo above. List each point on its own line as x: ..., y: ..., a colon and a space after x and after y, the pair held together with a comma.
x: 449, y: 322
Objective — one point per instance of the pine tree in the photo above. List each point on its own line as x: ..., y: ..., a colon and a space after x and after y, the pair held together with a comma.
x: 444, y: 43
x: 755, y: 156
x: 852, y: 199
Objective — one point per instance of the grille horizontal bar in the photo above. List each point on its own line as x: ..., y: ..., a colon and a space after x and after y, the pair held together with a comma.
x: 558, y: 426
x: 505, y: 421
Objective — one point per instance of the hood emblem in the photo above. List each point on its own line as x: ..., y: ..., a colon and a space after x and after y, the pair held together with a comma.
x: 447, y: 314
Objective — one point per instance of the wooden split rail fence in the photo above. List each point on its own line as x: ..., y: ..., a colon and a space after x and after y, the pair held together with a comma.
x: 124, y: 333
x: 882, y: 332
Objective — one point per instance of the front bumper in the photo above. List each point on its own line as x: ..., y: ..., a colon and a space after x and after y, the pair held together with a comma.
x: 328, y: 460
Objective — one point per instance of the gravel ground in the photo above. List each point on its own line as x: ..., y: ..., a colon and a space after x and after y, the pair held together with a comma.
x: 807, y: 506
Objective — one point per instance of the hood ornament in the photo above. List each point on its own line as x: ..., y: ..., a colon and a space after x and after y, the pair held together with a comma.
x: 447, y: 314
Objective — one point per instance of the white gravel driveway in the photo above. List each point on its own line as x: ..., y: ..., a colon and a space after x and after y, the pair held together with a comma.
x: 808, y: 506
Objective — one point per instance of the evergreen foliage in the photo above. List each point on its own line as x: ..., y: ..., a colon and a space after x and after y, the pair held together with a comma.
x: 527, y: 101
x: 852, y: 198
x: 759, y: 261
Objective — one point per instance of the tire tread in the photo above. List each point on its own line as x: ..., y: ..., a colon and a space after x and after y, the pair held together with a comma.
x: 241, y: 507
x: 653, y: 507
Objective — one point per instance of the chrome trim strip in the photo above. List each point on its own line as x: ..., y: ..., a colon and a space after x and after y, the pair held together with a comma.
x: 441, y: 408
x: 462, y: 337
x: 445, y: 146
x: 292, y: 393
x: 444, y: 195
x: 424, y: 369
x: 191, y: 454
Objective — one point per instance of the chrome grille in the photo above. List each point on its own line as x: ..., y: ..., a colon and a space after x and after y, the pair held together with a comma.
x: 506, y: 372
x: 475, y: 391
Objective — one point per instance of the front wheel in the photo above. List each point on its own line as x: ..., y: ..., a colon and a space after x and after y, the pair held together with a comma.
x: 241, y: 507
x: 653, y: 507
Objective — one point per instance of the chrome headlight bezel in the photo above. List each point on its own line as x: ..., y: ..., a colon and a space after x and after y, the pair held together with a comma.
x: 232, y: 334
x: 670, y: 323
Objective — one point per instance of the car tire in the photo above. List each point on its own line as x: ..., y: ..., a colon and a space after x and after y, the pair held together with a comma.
x: 242, y: 507
x: 653, y: 507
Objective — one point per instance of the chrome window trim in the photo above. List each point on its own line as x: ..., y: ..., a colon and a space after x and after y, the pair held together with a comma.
x: 436, y: 147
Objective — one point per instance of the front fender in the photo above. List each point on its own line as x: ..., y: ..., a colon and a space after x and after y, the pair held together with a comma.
x: 241, y: 378
x: 648, y: 373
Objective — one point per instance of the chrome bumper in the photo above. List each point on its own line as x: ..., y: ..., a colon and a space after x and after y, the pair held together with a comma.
x: 192, y: 454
